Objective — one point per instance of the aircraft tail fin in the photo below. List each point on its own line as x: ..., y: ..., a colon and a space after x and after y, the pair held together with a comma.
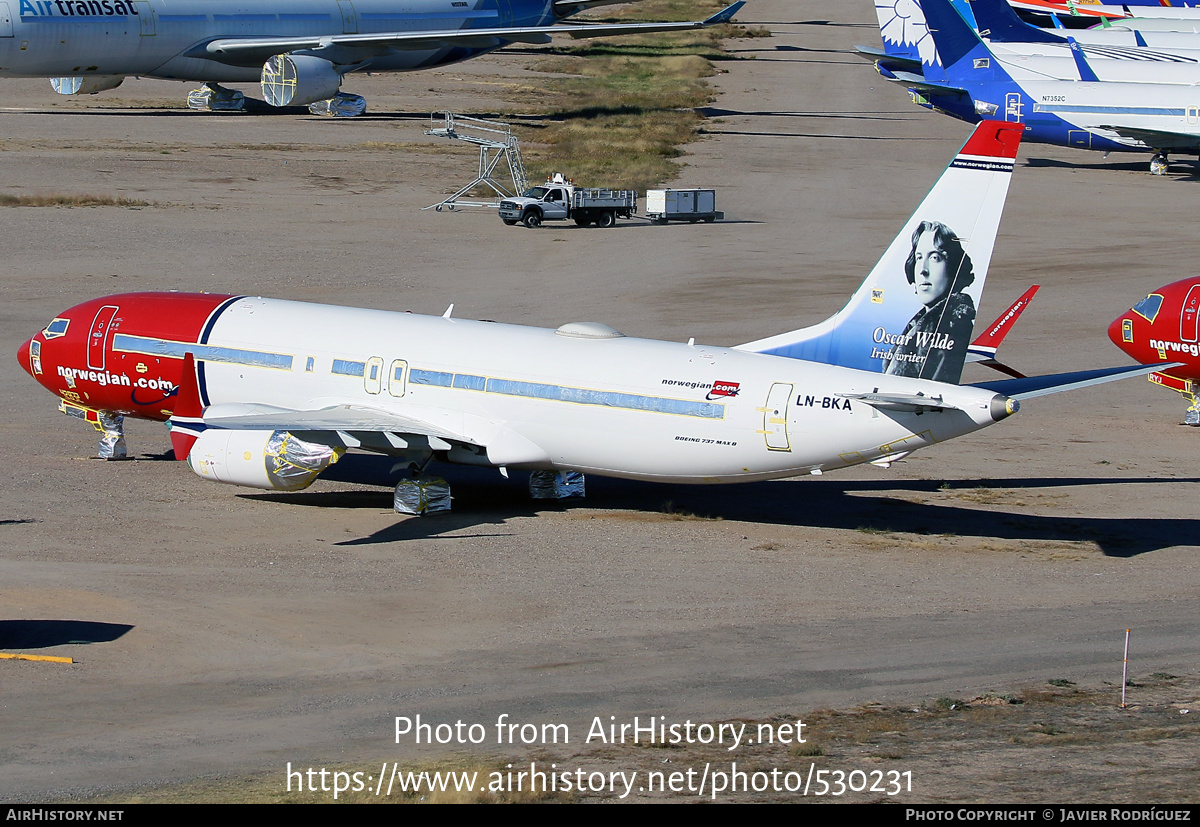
x: 914, y: 313
x: 997, y: 21
x: 905, y: 37
x: 186, y: 421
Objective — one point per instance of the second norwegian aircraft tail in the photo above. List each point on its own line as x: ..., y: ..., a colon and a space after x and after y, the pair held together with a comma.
x: 914, y: 314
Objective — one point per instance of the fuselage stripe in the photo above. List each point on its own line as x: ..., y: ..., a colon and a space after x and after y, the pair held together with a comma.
x: 208, y: 353
x: 201, y: 379
x: 1109, y: 110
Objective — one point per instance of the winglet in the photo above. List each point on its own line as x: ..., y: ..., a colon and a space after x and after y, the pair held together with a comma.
x: 1138, y: 39
x: 997, y: 330
x: 1000, y: 24
x: 186, y: 423
x: 983, y: 349
x: 1085, y: 72
x: 993, y: 139
x: 724, y: 15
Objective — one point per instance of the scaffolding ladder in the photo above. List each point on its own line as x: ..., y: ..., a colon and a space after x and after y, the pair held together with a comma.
x: 496, y: 143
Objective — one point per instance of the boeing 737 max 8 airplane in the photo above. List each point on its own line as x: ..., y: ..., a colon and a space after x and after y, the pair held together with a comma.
x: 267, y: 393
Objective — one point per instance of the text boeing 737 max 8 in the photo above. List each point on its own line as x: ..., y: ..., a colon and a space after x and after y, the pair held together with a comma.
x: 298, y: 49
x: 266, y: 393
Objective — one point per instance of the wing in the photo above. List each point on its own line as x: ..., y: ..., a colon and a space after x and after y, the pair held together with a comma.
x: 351, y: 48
x: 1158, y: 139
x: 348, y: 425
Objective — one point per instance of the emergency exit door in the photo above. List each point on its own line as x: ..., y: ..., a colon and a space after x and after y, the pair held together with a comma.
x: 775, y: 423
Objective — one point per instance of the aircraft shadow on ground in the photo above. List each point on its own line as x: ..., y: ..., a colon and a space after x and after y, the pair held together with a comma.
x: 43, y: 634
x: 1142, y: 165
x: 252, y: 108
x: 482, y: 497
x: 715, y: 112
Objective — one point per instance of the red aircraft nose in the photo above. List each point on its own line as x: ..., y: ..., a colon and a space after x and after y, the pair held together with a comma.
x: 23, y: 357
x: 1116, y: 332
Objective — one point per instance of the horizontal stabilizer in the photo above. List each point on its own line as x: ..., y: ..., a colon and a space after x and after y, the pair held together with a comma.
x: 1033, y: 386
x: 898, y: 61
x: 918, y: 82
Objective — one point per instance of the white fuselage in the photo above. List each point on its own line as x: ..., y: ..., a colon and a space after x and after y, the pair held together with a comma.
x: 167, y: 38
x: 1052, y: 61
x: 536, y: 398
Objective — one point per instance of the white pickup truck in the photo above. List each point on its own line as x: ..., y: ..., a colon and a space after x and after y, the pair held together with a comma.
x: 558, y: 198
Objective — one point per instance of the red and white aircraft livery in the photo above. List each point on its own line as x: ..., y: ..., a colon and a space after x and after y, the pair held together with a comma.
x: 266, y: 393
x: 1165, y: 327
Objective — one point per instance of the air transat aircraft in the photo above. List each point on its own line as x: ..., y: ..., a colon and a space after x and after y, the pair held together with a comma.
x: 266, y: 393
x: 965, y: 80
x: 1165, y: 327
x: 298, y: 49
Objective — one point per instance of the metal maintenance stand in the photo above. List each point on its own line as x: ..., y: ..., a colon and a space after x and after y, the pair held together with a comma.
x: 496, y: 143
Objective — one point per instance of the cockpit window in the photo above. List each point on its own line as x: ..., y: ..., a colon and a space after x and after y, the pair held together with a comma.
x: 56, y: 328
x: 1148, y: 307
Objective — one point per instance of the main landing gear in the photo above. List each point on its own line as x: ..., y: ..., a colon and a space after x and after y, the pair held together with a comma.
x: 213, y: 97
x: 1159, y: 163
x: 424, y: 494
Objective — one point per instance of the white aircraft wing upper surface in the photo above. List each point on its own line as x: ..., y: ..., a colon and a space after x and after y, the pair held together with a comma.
x: 382, y: 42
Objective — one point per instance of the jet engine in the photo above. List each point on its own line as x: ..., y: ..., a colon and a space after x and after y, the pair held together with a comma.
x: 274, y: 460
x: 296, y: 80
x: 86, y: 85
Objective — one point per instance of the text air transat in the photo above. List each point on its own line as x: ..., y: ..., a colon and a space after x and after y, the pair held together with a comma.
x: 266, y: 392
x: 298, y: 49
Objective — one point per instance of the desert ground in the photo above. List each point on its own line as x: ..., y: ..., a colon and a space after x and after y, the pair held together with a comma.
x: 222, y: 633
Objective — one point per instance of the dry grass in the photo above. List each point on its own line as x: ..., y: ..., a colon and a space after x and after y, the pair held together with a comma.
x: 622, y: 107
x: 68, y: 200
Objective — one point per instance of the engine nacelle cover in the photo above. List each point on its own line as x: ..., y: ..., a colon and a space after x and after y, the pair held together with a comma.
x: 298, y: 80
x: 274, y: 460
x: 86, y: 85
